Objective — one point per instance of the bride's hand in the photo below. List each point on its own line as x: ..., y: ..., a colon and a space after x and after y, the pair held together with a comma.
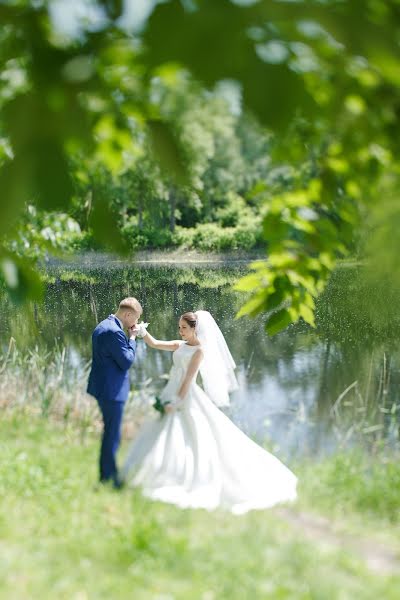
x: 142, y: 329
x: 173, y: 406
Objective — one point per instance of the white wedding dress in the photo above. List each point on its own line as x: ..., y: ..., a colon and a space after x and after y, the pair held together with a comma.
x: 196, y: 457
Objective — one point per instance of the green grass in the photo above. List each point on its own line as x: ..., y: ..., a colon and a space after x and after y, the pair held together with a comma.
x: 59, y: 538
x: 359, y: 492
x: 360, y: 483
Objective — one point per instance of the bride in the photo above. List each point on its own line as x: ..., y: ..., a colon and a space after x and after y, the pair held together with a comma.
x: 194, y: 456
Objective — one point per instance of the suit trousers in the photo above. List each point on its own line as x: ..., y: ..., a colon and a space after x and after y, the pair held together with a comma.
x: 112, y: 412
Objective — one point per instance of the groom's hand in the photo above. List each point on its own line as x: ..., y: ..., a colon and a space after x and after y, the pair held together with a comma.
x: 133, y: 331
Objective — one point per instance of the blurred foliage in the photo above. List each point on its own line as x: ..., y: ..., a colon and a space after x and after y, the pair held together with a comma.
x: 39, y: 232
x: 127, y: 130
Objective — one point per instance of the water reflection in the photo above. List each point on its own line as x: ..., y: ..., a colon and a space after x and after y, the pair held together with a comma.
x: 288, y: 384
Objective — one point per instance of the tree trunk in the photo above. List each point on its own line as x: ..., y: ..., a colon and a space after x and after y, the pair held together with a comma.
x: 172, y: 207
x: 140, y: 210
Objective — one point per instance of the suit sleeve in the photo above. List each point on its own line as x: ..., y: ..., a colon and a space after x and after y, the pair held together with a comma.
x: 122, y: 350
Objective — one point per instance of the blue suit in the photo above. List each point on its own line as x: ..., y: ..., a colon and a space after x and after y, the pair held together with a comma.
x: 113, y: 355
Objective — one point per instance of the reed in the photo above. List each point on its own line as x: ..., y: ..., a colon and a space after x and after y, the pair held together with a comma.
x: 365, y: 413
x: 51, y: 385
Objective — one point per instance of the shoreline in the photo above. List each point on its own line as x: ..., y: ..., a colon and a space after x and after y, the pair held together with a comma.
x: 178, y: 258
x: 154, y: 257
x: 193, y: 256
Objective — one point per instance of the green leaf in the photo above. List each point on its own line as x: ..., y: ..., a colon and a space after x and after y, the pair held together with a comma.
x: 248, y: 283
x: 52, y: 184
x: 14, y: 194
x: 278, y: 321
x: 113, y: 8
x: 254, y: 306
x: 104, y: 223
x: 275, y: 299
x: 275, y: 229
x: 39, y: 175
x: 167, y: 150
x: 212, y: 40
x: 309, y: 301
x: 307, y: 314
x: 37, y: 135
x: 22, y: 281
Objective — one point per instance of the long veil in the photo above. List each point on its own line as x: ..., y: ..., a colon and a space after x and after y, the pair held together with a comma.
x: 217, y: 366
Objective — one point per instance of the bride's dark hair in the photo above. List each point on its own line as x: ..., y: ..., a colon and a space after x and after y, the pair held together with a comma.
x: 190, y: 318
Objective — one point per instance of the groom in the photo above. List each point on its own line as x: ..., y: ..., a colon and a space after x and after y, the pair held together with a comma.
x: 113, y: 353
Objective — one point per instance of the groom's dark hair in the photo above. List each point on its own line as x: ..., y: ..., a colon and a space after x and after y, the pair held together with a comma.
x: 131, y: 304
x: 190, y: 318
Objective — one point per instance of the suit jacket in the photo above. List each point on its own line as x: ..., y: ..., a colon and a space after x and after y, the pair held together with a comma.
x: 113, y: 355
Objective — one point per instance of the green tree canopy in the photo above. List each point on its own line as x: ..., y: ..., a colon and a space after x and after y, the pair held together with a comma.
x: 321, y: 76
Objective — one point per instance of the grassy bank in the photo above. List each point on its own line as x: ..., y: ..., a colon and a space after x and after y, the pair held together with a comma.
x: 62, y: 539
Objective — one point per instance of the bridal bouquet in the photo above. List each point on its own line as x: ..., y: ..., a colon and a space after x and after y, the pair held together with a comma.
x: 160, y: 405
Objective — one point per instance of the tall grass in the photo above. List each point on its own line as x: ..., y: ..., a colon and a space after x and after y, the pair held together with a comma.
x: 52, y: 384
x: 44, y: 383
x: 364, y: 414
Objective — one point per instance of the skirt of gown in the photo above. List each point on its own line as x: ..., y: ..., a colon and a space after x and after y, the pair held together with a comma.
x: 197, y: 458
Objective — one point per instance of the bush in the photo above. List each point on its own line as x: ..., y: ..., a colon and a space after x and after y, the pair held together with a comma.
x: 40, y: 233
x: 206, y: 237
x: 83, y: 243
x: 183, y: 236
x: 212, y: 237
x: 248, y: 236
x: 233, y: 213
x: 149, y: 237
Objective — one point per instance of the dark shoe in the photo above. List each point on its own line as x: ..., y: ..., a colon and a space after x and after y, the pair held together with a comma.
x: 103, y: 483
x: 118, y: 483
x: 114, y: 482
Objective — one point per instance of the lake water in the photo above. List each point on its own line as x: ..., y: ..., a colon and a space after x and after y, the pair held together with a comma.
x: 292, y: 386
